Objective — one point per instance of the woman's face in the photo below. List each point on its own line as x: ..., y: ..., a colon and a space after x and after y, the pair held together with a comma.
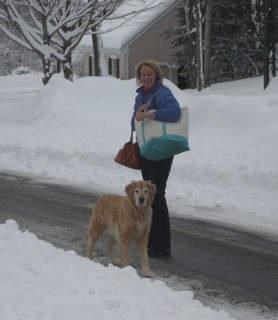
x: 147, y: 76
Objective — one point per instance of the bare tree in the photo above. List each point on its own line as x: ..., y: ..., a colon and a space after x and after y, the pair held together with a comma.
x: 53, y: 28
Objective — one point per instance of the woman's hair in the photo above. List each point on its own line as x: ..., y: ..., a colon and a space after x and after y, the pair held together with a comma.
x: 151, y: 63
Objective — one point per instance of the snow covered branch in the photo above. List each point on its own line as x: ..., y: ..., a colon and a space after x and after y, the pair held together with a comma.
x: 52, y: 28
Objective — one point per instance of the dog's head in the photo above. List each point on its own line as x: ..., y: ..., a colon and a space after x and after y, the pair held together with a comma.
x: 141, y: 193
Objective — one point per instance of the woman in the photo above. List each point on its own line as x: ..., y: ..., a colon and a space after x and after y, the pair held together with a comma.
x: 153, y: 95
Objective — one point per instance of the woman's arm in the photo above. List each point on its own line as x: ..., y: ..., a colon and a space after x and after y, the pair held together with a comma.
x: 167, y: 106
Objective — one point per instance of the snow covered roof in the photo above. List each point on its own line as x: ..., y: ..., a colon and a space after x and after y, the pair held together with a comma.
x: 119, y: 33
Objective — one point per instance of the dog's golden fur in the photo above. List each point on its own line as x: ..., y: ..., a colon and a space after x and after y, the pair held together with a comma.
x: 126, y: 218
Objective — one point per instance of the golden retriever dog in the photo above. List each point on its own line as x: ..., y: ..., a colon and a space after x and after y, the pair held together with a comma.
x: 126, y: 219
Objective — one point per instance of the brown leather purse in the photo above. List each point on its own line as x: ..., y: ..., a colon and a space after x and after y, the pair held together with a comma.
x: 129, y: 154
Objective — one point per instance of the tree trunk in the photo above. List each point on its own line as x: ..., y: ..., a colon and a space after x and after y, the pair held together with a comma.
x: 207, y: 55
x: 67, y: 69
x: 270, y: 38
x: 47, y: 74
x: 190, y: 26
x: 67, y: 63
x: 96, y: 52
x: 199, y: 46
x: 273, y: 35
x: 46, y: 62
x: 266, y: 43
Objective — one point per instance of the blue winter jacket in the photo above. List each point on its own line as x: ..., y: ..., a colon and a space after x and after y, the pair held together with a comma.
x: 162, y: 100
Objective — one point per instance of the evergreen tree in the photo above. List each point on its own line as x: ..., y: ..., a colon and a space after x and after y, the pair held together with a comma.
x: 232, y: 40
x: 185, y: 38
x: 236, y: 50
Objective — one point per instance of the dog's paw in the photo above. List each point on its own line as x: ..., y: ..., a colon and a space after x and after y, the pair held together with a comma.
x: 148, y: 274
x: 116, y: 262
x: 89, y: 256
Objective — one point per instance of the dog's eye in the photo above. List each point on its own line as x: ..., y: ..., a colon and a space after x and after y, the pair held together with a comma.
x: 146, y: 190
x: 136, y: 191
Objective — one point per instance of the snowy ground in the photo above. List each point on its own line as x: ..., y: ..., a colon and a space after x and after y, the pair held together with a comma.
x: 70, y: 132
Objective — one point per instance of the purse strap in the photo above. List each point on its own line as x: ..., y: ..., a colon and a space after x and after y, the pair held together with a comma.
x: 131, y: 136
x: 151, y: 98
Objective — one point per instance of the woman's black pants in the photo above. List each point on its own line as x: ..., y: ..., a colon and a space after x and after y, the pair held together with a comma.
x: 158, y: 173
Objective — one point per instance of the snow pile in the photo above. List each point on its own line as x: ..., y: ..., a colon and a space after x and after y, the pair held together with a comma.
x: 39, y: 281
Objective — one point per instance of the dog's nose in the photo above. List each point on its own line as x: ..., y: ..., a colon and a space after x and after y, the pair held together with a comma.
x: 141, y: 200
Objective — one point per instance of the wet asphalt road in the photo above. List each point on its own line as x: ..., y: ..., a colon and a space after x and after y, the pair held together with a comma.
x: 211, y: 260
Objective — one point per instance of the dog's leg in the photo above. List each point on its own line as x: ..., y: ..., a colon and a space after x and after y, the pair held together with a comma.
x: 125, y: 252
x: 90, y: 246
x: 142, y: 244
x: 93, y: 233
x: 111, y: 244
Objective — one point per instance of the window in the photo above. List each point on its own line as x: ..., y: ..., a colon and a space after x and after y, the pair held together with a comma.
x: 114, y: 66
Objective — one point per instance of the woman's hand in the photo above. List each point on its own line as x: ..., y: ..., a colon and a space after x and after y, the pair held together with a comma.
x: 143, y: 108
x: 139, y: 116
x: 142, y: 112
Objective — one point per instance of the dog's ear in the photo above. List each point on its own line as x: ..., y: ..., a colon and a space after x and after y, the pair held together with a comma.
x: 152, y: 187
x: 129, y: 189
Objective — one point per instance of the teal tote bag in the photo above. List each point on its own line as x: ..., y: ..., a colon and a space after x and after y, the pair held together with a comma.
x: 159, y: 140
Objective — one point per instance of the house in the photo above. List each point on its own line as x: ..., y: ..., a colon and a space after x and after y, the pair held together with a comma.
x: 137, y: 39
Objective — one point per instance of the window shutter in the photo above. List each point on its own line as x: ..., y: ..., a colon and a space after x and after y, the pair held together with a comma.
x: 110, y: 66
x: 90, y: 66
x: 118, y: 68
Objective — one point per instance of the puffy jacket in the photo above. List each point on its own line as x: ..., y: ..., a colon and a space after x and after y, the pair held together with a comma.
x: 162, y: 100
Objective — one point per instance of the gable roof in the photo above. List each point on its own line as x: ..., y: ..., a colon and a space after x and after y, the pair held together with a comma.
x: 130, y: 28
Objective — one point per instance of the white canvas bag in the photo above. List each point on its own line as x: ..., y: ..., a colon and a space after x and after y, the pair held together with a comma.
x: 159, y: 140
